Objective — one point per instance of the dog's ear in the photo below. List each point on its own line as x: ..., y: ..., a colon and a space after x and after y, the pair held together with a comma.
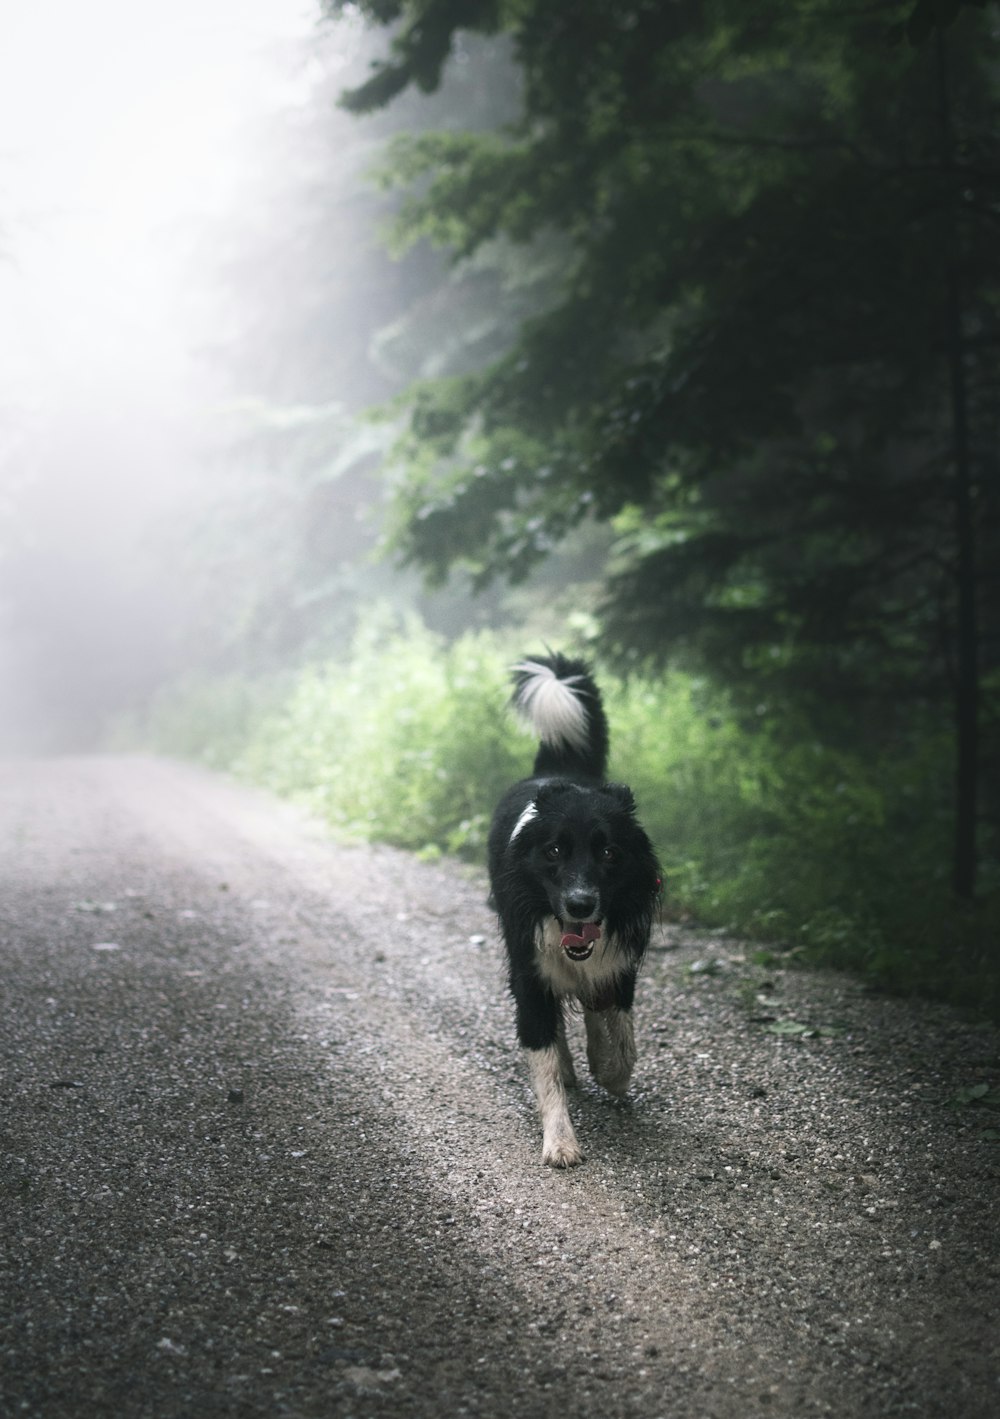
x: 551, y: 790
x: 622, y: 796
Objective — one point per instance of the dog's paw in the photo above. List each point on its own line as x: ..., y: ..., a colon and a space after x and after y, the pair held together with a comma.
x: 616, y: 1084
x: 562, y: 1153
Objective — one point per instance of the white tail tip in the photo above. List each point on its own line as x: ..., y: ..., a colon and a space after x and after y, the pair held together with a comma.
x: 551, y: 705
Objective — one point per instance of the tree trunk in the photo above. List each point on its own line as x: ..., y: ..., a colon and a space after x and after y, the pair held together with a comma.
x: 967, y: 673
x: 967, y: 676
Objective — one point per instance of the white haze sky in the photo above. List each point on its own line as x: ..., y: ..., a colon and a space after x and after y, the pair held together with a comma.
x: 119, y: 122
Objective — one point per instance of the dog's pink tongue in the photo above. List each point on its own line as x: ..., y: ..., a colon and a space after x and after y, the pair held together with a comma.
x: 589, y: 931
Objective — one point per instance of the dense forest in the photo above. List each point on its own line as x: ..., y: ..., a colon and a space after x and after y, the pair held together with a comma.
x: 770, y: 356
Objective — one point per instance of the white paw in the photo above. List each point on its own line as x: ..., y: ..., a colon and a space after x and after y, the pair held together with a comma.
x: 562, y: 1153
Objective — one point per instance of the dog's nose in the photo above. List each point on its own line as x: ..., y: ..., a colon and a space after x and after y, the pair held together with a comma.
x: 581, y: 907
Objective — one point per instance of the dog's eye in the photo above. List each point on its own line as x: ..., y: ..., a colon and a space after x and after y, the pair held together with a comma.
x: 553, y: 852
x: 609, y: 854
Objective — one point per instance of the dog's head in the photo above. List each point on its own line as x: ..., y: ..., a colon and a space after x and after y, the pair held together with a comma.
x: 592, y: 860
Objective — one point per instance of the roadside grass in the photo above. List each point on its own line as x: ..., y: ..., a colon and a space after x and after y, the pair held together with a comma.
x: 787, y: 841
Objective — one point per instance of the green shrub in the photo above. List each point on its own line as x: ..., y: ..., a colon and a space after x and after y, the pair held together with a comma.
x: 789, y: 841
x: 407, y: 744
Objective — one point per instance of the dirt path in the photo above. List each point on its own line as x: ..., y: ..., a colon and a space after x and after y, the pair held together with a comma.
x: 269, y: 1148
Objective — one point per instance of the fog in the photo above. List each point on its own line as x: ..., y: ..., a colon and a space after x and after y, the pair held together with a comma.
x: 150, y: 166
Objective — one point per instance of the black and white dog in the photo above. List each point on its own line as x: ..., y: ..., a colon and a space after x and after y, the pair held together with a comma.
x: 575, y: 883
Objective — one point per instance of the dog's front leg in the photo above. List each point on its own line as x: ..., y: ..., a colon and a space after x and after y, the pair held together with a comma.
x: 566, y: 1068
x: 540, y: 1031
x: 560, y: 1148
x: 610, y: 1047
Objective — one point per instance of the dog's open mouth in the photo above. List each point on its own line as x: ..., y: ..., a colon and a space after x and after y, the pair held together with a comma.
x: 578, y: 938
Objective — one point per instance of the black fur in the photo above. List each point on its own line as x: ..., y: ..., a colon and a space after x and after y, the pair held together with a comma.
x: 566, y: 845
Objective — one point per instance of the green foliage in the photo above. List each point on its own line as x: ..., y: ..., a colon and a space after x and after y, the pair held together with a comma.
x: 758, y: 829
x: 788, y: 840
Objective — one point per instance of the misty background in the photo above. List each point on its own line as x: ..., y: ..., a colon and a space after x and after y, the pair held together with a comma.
x: 196, y: 308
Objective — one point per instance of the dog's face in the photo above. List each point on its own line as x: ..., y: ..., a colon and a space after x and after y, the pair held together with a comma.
x: 588, y: 854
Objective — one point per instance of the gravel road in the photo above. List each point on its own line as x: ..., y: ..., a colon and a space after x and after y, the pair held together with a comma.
x: 268, y: 1148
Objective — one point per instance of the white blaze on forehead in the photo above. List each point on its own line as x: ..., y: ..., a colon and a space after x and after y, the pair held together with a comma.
x: 551, y: 705
x: 530, y: 812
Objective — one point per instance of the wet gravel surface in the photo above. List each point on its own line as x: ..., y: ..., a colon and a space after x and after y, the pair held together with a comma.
x: 268, y: 1148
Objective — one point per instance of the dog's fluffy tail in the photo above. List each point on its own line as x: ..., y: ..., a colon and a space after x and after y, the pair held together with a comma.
x: 558, y: 698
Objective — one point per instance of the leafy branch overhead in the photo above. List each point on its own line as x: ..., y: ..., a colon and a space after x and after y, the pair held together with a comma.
x: 425, y: 34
